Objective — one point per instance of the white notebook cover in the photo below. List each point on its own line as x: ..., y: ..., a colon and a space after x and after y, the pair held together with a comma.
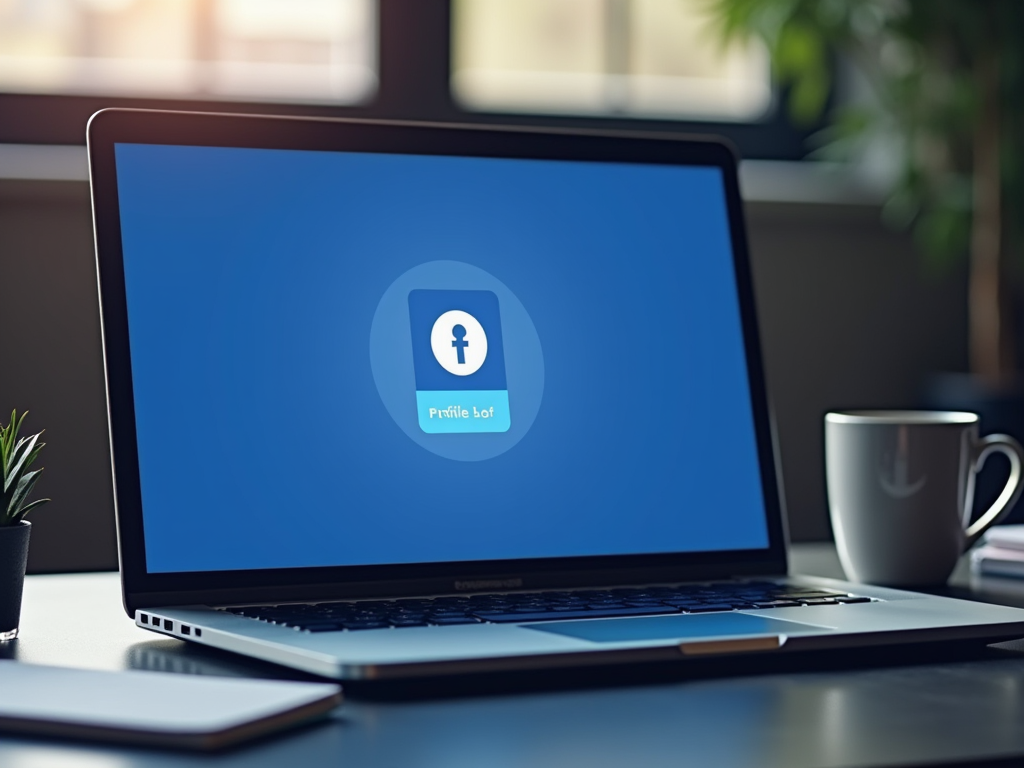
x: 155, y: 708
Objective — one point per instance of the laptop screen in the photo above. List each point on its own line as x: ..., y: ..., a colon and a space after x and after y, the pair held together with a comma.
x: 365, y: 359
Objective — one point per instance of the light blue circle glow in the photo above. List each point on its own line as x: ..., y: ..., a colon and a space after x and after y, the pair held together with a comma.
x: 392, y: 367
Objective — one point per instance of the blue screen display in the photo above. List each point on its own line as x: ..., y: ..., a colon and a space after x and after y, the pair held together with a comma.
x: 355, y: 359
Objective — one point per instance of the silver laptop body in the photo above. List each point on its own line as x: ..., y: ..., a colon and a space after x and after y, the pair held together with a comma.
x: 397, y: 399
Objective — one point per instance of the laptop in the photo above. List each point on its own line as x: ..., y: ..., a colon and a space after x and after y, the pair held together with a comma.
x: 393, y: 399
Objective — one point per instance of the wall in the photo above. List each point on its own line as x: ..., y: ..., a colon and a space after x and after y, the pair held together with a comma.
x: 849, y: 319
x: 51, y: 365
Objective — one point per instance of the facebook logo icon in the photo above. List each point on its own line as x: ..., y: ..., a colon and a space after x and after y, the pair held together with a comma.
x: 459, y: 360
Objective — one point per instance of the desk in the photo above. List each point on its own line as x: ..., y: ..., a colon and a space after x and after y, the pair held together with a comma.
x: 829, y: 715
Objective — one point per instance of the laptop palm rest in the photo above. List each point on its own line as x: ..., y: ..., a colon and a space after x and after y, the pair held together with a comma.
x: 681, y: 628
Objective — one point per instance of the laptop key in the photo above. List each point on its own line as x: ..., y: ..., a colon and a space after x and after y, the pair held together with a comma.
x: 442, y: 621
x: 709, y: 608
x: 321, y: 627
x: 508, y: 618
x: 353, y: 625
x: 807, y: 595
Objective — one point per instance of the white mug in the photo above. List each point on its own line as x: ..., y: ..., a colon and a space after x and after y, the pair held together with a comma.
x: 901, y: 491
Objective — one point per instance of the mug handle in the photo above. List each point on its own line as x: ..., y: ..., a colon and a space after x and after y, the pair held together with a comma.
x: 1010, y: 448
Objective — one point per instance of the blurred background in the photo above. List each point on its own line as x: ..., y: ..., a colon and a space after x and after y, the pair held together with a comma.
x: 863, y: 296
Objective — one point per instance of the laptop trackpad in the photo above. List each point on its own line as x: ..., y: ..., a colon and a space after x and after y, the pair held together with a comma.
x: 679, y: 627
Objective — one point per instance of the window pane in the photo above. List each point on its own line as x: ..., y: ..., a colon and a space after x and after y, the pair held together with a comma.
x: 642, y: 58
x: 314, y: 51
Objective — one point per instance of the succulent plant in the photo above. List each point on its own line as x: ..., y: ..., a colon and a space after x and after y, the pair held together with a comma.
x: 18, y: 481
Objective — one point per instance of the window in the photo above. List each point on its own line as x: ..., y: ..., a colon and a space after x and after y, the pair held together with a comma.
x: 644, y: 65
x: 305, y: 51
x: 641, y: 58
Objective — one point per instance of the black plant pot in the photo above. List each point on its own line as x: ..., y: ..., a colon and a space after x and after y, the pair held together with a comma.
x: 13, y: 558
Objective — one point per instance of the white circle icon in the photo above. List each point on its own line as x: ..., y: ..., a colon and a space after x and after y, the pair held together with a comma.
x: 458, y: 342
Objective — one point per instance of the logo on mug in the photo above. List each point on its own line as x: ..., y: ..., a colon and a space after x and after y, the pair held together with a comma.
x: 894, y: 474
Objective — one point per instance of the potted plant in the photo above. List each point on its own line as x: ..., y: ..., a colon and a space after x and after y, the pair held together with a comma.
x: 16, y: 458
x: 946, y: 96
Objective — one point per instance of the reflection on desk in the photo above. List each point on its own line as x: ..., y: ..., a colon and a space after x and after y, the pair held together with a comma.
x: 827, y: 715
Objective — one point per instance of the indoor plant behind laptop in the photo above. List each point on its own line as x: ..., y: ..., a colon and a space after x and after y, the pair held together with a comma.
x: 16, y: 459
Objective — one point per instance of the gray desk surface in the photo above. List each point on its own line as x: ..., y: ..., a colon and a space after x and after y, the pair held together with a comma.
x: 823, y: 714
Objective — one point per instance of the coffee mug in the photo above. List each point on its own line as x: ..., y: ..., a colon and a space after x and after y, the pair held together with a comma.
x: 901, y: 491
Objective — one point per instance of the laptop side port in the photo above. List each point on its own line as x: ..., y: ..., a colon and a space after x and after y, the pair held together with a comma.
x: 186, y: 629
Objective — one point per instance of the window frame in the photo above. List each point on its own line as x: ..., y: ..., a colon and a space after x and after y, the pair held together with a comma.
x: 414, y: 73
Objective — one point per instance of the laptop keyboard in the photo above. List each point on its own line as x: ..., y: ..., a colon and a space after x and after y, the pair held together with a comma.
x: 520, y: 607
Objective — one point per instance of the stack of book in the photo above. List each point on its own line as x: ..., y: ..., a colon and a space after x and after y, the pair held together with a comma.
x: 1001, y: 552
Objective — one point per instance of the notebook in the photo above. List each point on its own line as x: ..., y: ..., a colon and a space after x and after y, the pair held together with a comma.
x: 153, y: 708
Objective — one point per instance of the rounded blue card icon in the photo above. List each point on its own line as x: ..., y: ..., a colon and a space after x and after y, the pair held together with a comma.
x: 453, y: 352
x: 459, y: 360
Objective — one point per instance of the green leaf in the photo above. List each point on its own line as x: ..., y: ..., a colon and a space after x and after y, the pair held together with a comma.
x: 34, y: 455
x: 28, y: 508
x: 800, y: 61
x: 943, y: 235
x: 808, y: 96
x: 25, y: 446
x: 16, y: 424
x: 8, y: 436
x: 25, y: 486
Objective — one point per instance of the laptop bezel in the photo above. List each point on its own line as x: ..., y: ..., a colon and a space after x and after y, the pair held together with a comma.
x: 143, y: 589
